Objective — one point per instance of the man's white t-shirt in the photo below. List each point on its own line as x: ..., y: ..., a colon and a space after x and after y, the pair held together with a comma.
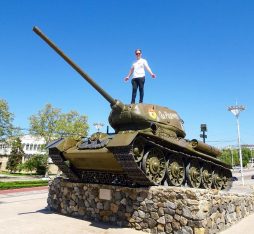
x: 139, y: 68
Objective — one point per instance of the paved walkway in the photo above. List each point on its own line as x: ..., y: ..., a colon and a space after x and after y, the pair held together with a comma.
x: 24, y: 212
x: 244, y: 226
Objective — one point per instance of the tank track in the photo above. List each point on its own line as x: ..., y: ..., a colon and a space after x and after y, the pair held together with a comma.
x: 98, y: 177
x: 59, y: 161
x: 125, y: 158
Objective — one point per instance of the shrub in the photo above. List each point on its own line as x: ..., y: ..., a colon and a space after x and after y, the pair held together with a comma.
x: 36, y: 163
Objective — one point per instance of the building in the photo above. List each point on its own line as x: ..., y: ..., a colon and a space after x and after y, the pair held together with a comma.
x: 31, y: 145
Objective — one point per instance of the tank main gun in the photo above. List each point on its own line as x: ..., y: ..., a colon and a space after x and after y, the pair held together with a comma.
x: 115, y: 104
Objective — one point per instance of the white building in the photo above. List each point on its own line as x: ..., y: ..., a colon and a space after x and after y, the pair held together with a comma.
x: 31, y: 146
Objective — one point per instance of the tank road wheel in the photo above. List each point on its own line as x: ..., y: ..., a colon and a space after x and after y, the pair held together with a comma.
x: 224, y: 181
x: 207, y: 176
x: 154, y: 165
x: 227, y: 183
x: 217, y: 180
x: 138, y: 149
x: 175, y: 171
x: 193, y: 173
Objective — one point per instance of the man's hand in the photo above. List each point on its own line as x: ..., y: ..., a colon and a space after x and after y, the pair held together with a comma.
x: 126, y: 78
x: 153, y: 76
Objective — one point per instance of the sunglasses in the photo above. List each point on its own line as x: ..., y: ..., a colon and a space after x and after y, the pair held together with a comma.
x: 138, y: 53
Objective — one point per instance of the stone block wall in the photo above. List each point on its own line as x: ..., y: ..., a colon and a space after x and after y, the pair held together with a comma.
x: 155, y: 209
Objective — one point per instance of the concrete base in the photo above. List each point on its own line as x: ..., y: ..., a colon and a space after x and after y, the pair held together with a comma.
x: 155, y: 209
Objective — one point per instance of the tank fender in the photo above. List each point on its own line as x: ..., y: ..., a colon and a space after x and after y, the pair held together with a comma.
x: 62, y: 144
x: 122, y: 139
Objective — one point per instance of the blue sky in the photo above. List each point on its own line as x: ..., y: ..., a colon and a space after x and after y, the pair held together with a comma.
x: 201, y: 51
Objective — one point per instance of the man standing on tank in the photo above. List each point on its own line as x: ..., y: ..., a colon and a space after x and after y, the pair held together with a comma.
x: 138, y: 78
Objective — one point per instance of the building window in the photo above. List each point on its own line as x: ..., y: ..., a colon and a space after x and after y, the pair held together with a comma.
x: 27, y: 146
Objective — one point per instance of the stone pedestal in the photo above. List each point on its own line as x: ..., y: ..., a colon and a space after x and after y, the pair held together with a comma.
x: 155, y: 209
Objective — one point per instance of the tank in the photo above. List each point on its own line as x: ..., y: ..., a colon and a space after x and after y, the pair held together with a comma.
x: 148, y: 148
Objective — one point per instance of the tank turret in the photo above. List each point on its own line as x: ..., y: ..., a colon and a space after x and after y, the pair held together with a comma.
x: 148, y: 148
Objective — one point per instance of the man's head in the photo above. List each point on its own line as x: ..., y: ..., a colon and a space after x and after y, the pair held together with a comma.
x: 138, y: 53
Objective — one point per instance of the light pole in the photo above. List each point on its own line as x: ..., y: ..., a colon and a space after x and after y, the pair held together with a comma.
x: 98, y: 126
x: 236, y: 110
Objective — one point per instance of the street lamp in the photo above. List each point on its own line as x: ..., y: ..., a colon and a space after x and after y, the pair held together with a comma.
x: 236, y: 110
x: 98, y: 126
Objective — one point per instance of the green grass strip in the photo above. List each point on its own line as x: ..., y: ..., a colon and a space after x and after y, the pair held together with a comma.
x: 22, y: 184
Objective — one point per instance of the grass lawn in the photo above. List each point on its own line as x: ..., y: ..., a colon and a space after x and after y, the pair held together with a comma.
x: 22, y: 184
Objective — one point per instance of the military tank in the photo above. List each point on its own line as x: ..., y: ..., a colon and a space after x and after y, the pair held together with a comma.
x: 148, y: 148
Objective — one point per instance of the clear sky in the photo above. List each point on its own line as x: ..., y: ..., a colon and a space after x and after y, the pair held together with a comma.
x: 201, y: 51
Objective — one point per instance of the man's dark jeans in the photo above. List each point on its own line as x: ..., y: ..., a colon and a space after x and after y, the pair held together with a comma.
x: 138, y: 83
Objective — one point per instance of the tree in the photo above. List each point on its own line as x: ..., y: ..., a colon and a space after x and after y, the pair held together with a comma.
x: 72, y: 124
x: 229, y: 154
x: 44, y: 123
x: 50, y: 123
x: 6, y: 119
x: 246, y: 156
x: 15, y: 157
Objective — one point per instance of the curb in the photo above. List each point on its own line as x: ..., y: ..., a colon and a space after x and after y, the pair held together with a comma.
x: 6, y: 191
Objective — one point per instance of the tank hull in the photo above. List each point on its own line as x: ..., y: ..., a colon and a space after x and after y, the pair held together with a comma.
x: 169, y: 161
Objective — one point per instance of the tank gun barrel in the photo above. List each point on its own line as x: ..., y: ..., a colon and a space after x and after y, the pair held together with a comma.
x: 111, y: 100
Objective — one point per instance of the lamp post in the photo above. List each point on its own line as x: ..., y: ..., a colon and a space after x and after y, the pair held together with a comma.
x: 236, y: 110
x: 98, y: 126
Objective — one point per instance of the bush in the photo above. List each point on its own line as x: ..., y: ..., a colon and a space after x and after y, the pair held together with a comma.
x: 36, y: 163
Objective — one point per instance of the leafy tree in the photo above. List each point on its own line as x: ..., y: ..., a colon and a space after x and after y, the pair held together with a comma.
x: 72, y: 124
x: 227, y: 154
x: 50, y: 123
x: 6, y: 119
x: 15, y: 157
x: 246, y: 153
x: 44, y: 123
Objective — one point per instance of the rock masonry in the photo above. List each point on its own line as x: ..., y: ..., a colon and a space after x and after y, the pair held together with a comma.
x: 155, y: 209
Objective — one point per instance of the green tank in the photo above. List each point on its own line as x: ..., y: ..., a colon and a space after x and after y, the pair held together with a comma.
x: 148, y: 148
